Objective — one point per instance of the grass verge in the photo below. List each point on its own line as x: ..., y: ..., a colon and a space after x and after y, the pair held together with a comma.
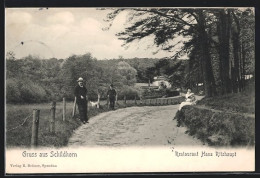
x: 243, y: 102
x: 218, y: 124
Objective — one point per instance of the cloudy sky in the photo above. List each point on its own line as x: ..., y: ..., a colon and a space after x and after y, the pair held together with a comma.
x: 62, y: 32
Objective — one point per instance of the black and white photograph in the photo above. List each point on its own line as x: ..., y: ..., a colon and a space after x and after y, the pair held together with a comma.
x: 140, y: 89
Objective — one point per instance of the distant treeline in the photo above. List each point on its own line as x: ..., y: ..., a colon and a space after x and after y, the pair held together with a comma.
x: 31, y: 79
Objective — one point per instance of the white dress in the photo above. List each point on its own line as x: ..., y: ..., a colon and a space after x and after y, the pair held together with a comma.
x: 190, y: 100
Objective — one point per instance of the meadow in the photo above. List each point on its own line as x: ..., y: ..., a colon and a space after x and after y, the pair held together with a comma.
x: 20, y: 136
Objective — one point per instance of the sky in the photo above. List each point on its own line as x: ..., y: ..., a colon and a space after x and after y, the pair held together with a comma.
x: 62, y: 32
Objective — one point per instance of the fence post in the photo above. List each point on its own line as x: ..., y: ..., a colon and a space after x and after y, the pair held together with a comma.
x: 125, y: 99
x: 64, y: 109
x: 52, y: 123
x: 74, y: 107
x: 35, y: 126
x: 135, y: 100
x: 98, y: 101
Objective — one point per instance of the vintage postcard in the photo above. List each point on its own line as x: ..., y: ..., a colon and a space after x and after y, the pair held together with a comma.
x: 129, y: 90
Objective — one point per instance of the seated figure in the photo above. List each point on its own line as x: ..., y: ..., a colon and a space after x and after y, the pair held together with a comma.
x: 190, y: 99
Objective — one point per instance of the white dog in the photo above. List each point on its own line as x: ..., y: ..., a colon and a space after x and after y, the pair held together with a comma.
x: 95, y: 104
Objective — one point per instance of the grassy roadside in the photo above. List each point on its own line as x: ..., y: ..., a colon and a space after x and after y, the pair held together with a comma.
x: 21, y: 136
x: 243, y: 102
x: 221, y: 121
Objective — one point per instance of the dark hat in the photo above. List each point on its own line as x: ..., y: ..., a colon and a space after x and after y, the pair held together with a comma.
x: 112, y: 85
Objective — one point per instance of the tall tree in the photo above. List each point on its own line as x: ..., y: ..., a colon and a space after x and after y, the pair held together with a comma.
x: 237, y: 85
x: 127, y: 73
x: 244, y: 28
x: 209, y: 81
x: 223, y: 27
x: 232, y: 29
x: 164, y: 26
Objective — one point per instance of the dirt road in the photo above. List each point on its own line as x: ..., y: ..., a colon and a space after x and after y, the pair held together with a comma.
x: 134, y: 126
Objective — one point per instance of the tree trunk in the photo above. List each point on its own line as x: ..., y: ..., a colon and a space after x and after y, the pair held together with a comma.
x: 236, y: 79
x: 237, y: 52
x: 209, y: 81
x: 224, y: 37
x: 243, y: 56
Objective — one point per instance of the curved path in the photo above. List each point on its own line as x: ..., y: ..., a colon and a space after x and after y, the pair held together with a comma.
x: 134, y: 126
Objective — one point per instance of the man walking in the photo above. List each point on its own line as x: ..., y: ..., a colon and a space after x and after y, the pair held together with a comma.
x: 111, y: 94
x: 81, y: 100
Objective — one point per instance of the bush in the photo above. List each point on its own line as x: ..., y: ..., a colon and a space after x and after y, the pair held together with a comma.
x: 12, y: 91
x: 129, y: 92
x: 31, y: 92
x: 171, y: 93
x: 151, y: 93
x: 18, y: 91
x: 217, y: 128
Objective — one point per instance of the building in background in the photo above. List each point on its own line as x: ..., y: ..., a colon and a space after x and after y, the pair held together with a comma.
x: 158, y: 83
x: 161, y: 81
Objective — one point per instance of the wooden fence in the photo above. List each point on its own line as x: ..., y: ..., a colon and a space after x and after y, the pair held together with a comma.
x: 36, y: 120
x: 161, y: 101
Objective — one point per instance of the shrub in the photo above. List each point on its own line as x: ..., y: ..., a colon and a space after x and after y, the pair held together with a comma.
x: 129, y: 92
x: 12, y: 91
x: 171, y: 93
x: 32, y: 92
x: 217, y: 128
x: 152, y: 93
x: 18, y: 91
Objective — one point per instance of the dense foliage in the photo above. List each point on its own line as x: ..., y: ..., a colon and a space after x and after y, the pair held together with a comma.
x: 32, y: 79
x: 220, y: 42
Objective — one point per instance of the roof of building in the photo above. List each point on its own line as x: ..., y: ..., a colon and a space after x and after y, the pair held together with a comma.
x: 143, y: 84
x: 159, y: 78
